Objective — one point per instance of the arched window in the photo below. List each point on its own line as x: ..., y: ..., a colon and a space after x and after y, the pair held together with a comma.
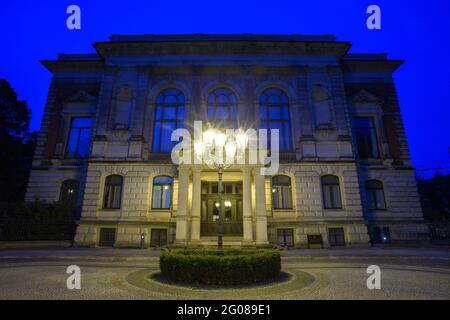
x: 112, y: 197
x: 274, y: 114
x: 322, y: 106
x: 222, y: 105
x: 169, y: 115
x: 331, y: 192
x: 162, y: 192
x: 281, y: 192
x: 69, y: 192
x: 375, y: 195
x: 123, y: 112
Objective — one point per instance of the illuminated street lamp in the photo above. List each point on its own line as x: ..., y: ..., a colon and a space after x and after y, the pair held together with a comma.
x: 218, y: 150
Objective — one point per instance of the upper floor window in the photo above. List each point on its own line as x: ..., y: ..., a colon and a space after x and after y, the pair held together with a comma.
x: 375, y: 195
x: 69, y: 192
x: 274, y: 114
x: 365, y: 137
x: 112, y: 197
x: 162, y: 192
x: 331, y: 192
x: 222, y: 105
x: 79, y: 135
x: 281, y: 192
x: 169, y: 115
x: 124, y: 104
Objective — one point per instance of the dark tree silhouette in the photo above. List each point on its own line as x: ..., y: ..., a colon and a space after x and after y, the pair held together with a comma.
x: 435, y: 197
x: 16, y: 144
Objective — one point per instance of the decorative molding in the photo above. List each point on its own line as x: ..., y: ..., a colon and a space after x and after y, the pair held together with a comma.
x: 82, y: 96
x: 365, y: 96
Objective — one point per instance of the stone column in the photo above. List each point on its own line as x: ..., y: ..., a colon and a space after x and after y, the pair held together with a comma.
x: 183, y: 185
x: 247, y: 204
x: 261, y: 215
x: 196, y: 205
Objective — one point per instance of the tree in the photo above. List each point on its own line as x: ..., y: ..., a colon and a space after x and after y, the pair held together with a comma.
x: 16, y: 144
x: 435, y: 197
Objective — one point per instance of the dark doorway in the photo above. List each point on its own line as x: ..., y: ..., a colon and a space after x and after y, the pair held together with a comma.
x: 381, y: 235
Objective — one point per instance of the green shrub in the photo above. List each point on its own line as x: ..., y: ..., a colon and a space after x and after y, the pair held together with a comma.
x: 234, y: 267
x: 36, y: 220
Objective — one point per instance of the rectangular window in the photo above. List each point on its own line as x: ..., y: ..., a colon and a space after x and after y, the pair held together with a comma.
x: 365, y: 138
x: 331, y: 192
x: 107, y: 237
x: 336, y: 237
x: 79, y: 135
x: 113, y: 192
x: 162, y: 192
x: 162, y: 196
x: 281, y: 192
x: 285, y: 237
x: 159, y: 237
x: 375, y: 198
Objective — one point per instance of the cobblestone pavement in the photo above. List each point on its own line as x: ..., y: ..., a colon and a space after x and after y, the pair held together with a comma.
x: 121, y: 274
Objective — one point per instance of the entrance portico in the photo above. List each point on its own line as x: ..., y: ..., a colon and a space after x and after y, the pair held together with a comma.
x: 244, y: 201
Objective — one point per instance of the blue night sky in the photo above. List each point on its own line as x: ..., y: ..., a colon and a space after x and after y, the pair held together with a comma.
x: 416, y: 31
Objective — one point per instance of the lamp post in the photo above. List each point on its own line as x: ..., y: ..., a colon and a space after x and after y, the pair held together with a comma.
x: 218, y: 150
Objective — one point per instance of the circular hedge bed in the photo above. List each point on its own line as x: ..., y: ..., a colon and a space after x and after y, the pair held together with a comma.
x: 234, y: 267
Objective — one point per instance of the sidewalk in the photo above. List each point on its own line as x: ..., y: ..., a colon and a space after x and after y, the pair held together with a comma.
x: 111, y: 254
x: 443, y: 253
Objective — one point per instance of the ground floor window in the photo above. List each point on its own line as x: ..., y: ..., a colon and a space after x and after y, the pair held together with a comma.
x: 381, y: 235
x: 285, y: 237
x: 336, y: 237
x: 107, y: 237
x: 159, y: 237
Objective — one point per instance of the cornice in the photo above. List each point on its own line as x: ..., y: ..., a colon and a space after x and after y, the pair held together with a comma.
x: 216, y: 48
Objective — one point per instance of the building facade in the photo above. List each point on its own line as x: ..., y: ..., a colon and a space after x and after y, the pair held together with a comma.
x: 345, y: 175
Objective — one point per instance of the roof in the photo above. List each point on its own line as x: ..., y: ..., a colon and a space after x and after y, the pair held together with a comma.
x: 221, y: 37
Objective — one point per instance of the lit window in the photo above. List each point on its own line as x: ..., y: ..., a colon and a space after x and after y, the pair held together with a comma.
x: 113, y: 192
x: 375, y: 195
x: 79, y: 135
x: 331, y: 192
x: 281, y: 192
x: 222, y: 105
x: 69, y: 192
x: 162, y: 192
x: 274, y: 114
x: 169, y: 115
x: 366, y: 138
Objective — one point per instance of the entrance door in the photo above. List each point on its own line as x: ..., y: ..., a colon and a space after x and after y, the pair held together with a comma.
x: 232, y: 209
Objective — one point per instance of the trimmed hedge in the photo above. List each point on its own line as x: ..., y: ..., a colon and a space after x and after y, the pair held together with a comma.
x: 204, y: 266
x: 36, y: 220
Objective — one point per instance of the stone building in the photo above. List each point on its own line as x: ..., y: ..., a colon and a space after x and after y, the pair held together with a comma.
x: 345, y: 174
